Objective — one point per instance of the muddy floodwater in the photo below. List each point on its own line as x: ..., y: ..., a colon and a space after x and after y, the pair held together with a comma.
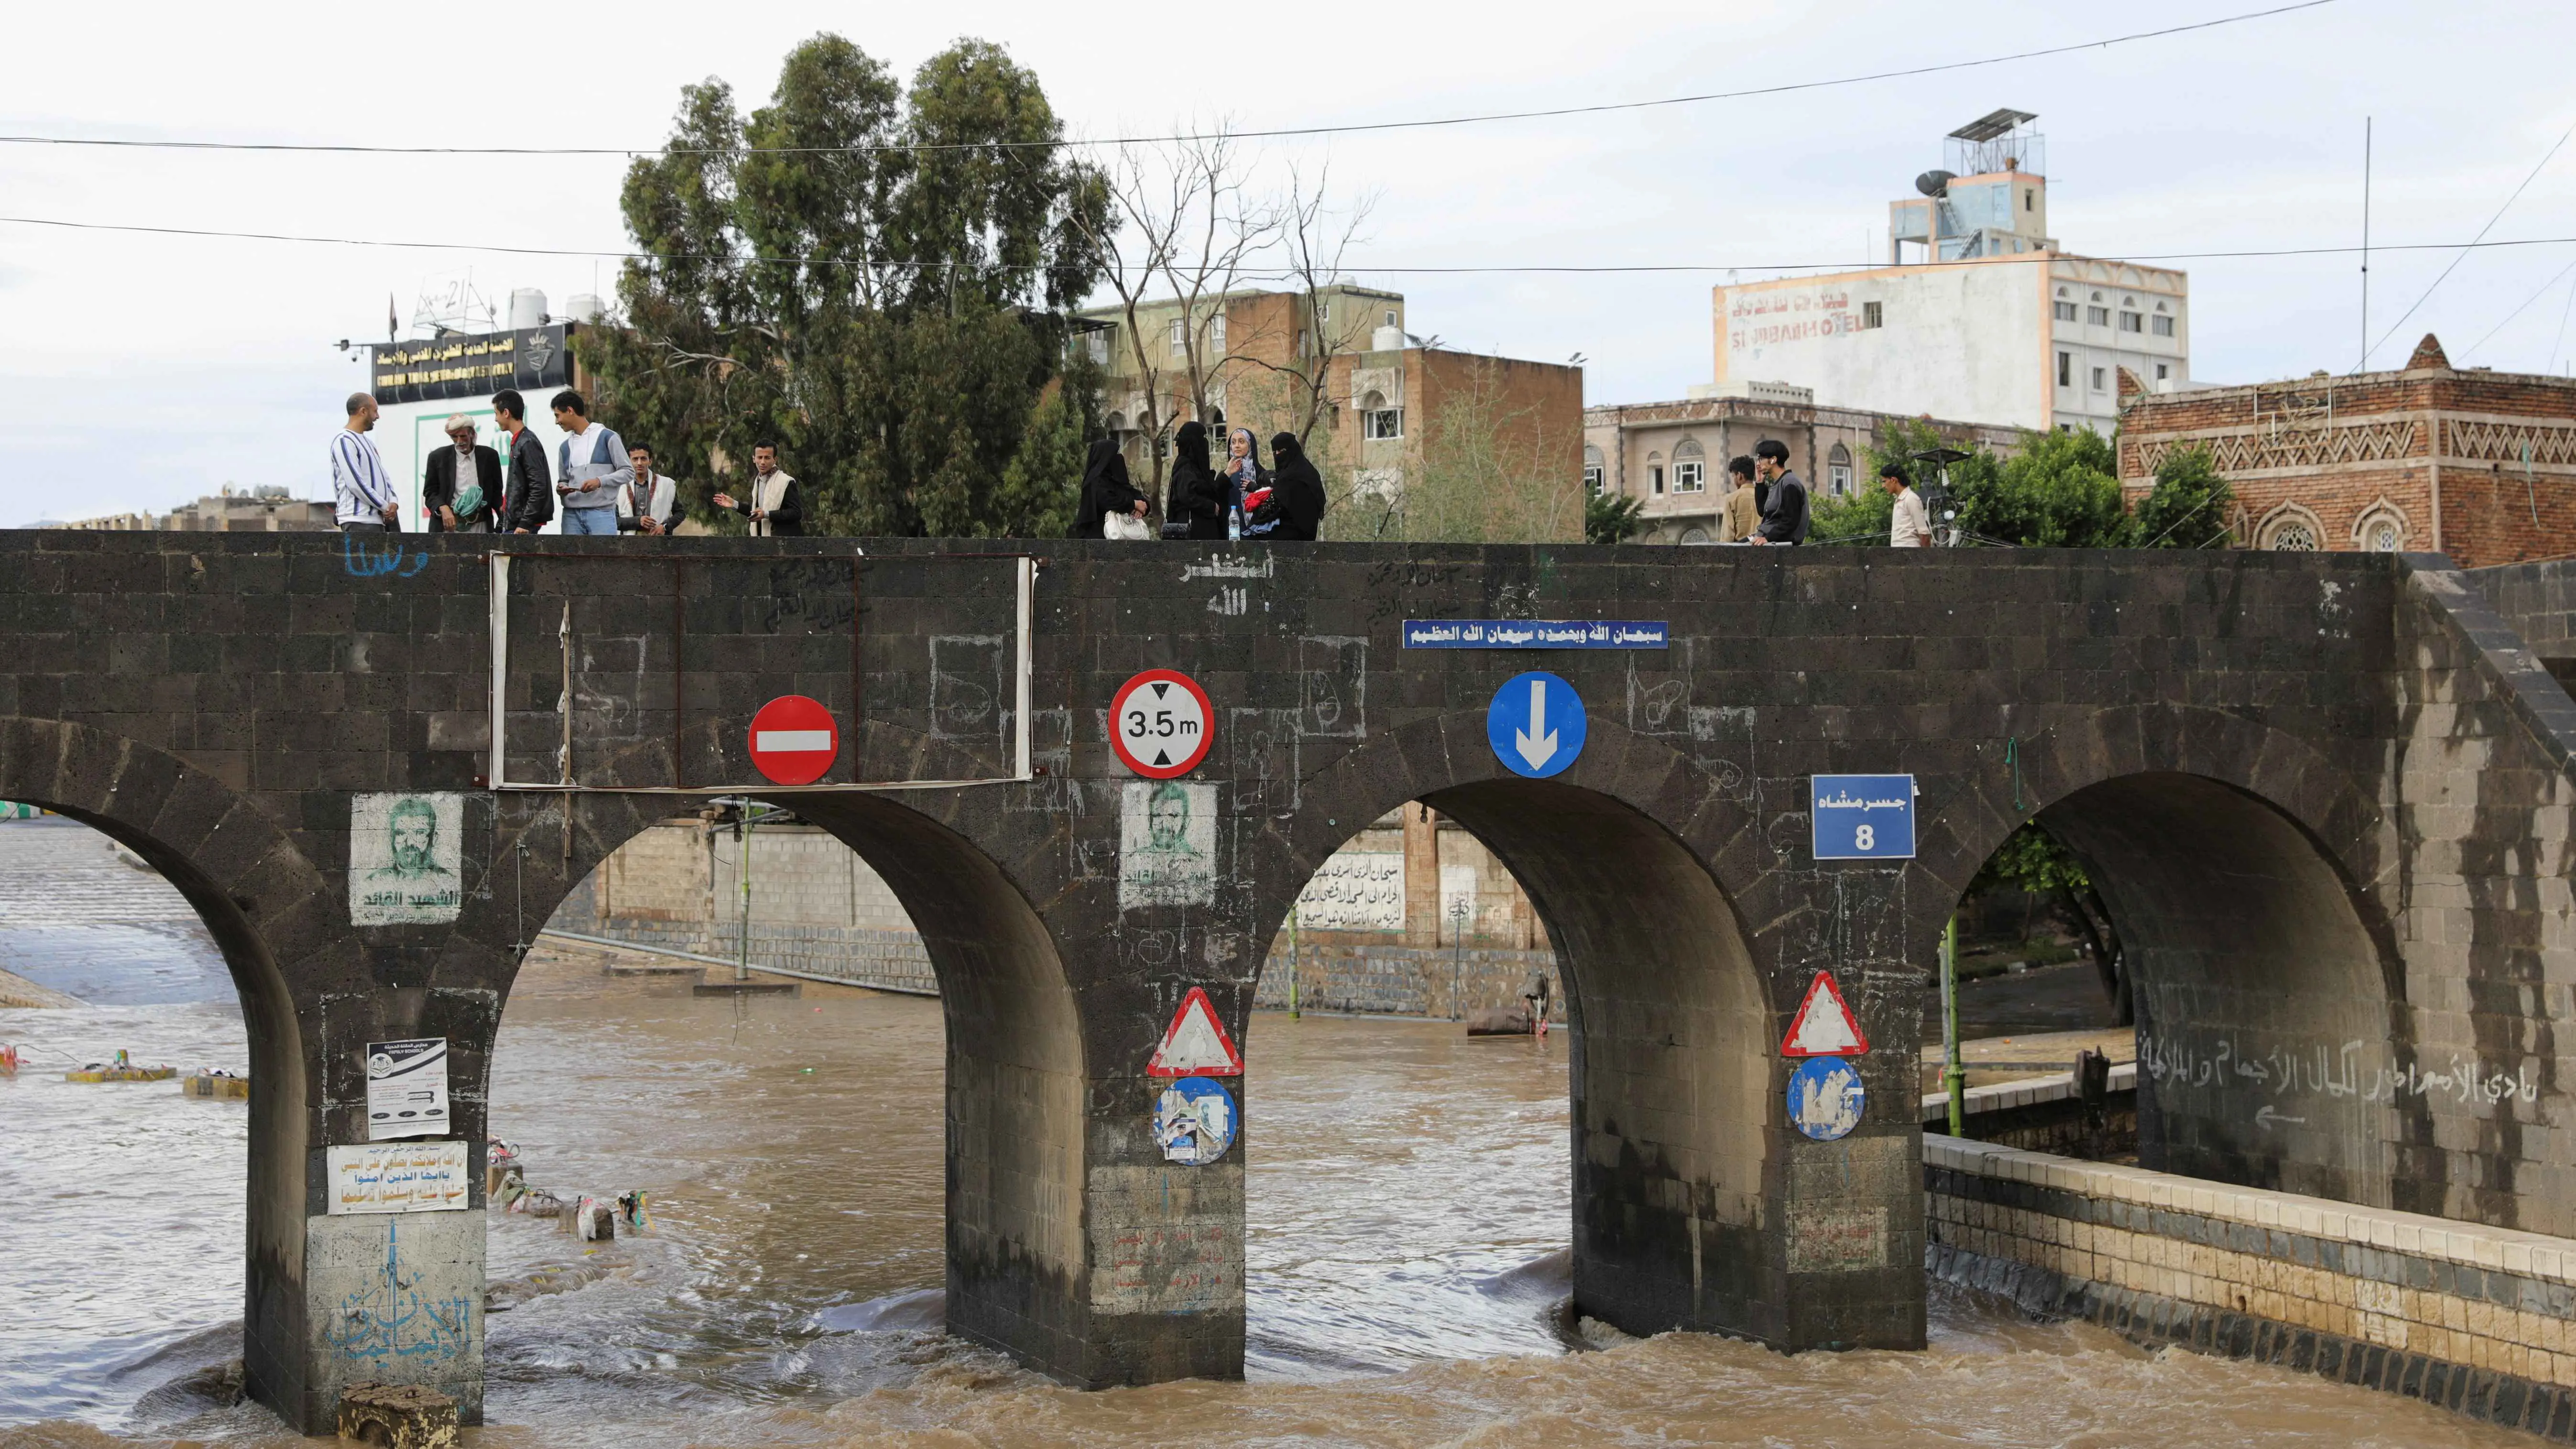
x: 1408, y: 1221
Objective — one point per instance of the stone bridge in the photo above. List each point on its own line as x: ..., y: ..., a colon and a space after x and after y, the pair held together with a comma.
x: 2327, y: 798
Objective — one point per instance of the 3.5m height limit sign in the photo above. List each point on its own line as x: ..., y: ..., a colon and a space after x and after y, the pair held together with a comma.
x: 1159, y: 724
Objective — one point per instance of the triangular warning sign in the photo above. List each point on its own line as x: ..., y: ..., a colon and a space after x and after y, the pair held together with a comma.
x: 1162, y: 757
x: 1162, y: 687
x: 1824, y: 1026
x: 1196, y: 1045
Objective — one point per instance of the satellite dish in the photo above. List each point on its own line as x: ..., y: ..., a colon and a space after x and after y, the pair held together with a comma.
x: 1934, y: 183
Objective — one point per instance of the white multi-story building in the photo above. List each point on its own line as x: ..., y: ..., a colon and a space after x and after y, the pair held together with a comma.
x: 1989, y: 320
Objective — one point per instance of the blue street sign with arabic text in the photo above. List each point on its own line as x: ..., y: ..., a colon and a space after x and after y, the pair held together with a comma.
x: 1862, y: 817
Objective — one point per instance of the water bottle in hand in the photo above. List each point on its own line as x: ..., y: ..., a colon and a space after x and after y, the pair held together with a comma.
x: 1234, y: 525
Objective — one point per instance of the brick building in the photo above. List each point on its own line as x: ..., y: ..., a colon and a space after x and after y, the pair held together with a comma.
x: 1672, y: 456
x: 2477, y: 464
x: 1381, y: 397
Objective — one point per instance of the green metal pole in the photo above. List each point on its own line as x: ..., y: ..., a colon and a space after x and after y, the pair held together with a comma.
x: 1293, y: 1012
x: 1954, y: 1080
x: 742, y: 848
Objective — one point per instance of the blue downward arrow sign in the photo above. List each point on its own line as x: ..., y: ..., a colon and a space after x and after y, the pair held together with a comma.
x: 1535, y: 724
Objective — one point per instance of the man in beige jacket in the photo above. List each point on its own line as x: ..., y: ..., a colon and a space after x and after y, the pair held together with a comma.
x: 1909, y: 524
x: 1740, y: 514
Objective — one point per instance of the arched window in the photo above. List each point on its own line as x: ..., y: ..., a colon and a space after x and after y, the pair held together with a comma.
x: 1377, y: 420
x: 1654, y: 472
x: 2290, y: 529
x: 1838, y: 471
x: 2381, y: 528
x: 1690, y: 467
x: 1694, y: 535
x: 1216, y: 421
x: 1116, y: 423
x: 1595, y: 469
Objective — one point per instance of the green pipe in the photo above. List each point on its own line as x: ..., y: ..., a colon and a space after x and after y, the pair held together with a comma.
x: 1954, y: 1080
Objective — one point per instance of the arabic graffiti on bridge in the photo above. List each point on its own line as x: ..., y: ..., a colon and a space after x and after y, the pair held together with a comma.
x: 364, y: 561
x: 2337, y: 1072
x: 391, y: 1319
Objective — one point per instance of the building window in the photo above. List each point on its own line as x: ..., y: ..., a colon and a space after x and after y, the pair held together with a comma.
x: 2290, y: 528
x: 1305, y: 343
x: 1593, y: 470
x: 2163, y: 371
x: 1654, y: 472
x: 1180, y: 337
x: 2164, y: 327
x: 2030, y: 198
x: 2132, y: 322
x: 1694, y: 535
x: 1690, y: 477
x: 1871, y: 316
x: 1324, y: 310
x: 1838, y: 471
x: 2065, y: 311
x: 1096, y: 346
x: 1390, y: 317
x: 2066, y: 369
x: 1216, y: 422
x: 2100, y: 379
x: 1216, y: 331
x: 2098, y: 316
x: 1377, y: 420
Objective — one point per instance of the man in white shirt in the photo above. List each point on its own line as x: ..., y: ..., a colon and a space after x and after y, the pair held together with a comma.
x: 652, y: 503
x: 1909, y: 524
x: 591, y: 469
x: 364, y: 491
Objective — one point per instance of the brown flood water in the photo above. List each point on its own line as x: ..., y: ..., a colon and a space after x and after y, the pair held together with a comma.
x: 1408, y: 1189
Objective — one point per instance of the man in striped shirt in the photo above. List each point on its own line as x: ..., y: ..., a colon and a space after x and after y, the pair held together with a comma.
x: 367, y: 503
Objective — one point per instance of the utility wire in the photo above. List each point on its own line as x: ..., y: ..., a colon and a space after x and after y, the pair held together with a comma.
x: 1614, y: 268
x: 2518, y: 311
x: 1276, y: 133
x: 2464, y: 251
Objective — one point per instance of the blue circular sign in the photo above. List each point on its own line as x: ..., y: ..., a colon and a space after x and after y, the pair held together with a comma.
x: 1194, y: 1121
x: 1825, y: 1098
x: 1535, y: 724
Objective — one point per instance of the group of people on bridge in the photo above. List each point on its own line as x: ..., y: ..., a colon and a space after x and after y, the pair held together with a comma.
x: 1236, y: 499
x: 602, y: 483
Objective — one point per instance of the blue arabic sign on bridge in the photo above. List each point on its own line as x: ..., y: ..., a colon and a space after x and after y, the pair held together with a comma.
x: 1535, y: 724
x: 1536, y: 634
x: 1862, y: 817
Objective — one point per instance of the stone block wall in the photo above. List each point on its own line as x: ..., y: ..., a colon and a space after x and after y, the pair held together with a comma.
x: 1404, y: 980
x: 2477, y: 1319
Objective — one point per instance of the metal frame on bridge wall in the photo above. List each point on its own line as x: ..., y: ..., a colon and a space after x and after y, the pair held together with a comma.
x: 1024, y: 578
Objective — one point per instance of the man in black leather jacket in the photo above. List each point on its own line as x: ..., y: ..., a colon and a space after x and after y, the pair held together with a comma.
x: 529, y: 502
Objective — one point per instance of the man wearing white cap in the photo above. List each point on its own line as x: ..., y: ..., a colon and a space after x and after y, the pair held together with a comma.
x: 462, y: 484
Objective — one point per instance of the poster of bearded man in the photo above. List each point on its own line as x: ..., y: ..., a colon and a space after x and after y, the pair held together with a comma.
x: 406, y: 857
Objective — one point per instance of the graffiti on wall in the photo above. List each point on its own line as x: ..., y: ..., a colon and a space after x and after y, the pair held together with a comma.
x: 391, y: 1318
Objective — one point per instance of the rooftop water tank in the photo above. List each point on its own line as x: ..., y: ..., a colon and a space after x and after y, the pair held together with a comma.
x: 527, y: 308
x: 584, y: 307
x: 1387, y: 339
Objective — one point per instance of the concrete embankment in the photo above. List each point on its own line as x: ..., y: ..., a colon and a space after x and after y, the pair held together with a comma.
x: 16, y: 990
x: 2476, y: 1319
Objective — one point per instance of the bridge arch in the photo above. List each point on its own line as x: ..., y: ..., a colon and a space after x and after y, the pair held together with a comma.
x: 2275, y: 1040
x: 1014, y: 1053
x: 261, y: 900
x: 1678, y: 1164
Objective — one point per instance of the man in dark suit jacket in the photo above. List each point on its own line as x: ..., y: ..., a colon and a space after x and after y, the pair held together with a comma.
x: 439, y: 484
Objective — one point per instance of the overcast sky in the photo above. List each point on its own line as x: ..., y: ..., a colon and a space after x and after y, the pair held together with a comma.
x: 143, y: 371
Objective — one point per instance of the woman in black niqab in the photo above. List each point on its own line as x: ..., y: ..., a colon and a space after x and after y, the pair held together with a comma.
x: 1295, y: 509
x: 1105, y: 490
x: 1197, y: 499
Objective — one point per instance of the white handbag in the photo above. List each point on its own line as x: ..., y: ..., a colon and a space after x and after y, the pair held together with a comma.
x: 1125, y: 526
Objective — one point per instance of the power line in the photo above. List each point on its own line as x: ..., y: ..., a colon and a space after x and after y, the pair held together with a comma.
x: 2472, y: 348
x: 1534, y: 269
x: 2464, y: 251
x: 1276, y: 133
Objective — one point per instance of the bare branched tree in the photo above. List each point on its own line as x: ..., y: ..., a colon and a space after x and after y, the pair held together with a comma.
x: 1229, y: 228
x: 1312, y: 240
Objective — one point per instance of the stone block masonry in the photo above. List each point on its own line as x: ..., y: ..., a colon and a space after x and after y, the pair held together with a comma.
x: 2329, y: 796
x: 2479, y: 1320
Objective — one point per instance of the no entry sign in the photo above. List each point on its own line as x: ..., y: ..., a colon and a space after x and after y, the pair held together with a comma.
x: 793, y: 740
x: 1158, y: 724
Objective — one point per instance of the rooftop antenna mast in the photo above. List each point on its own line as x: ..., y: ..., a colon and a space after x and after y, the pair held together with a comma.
x: 2364, y: 364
